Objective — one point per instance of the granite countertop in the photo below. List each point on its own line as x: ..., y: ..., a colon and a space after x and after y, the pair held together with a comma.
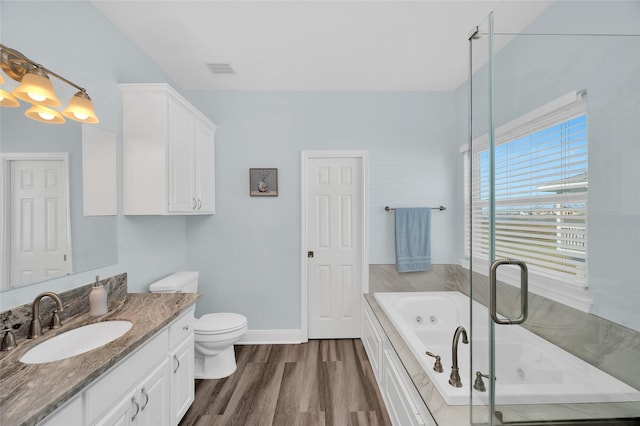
x: 30, y: 392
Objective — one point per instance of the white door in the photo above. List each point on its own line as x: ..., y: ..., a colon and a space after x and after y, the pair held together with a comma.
x: 334, y: 237
x: 39, y: 221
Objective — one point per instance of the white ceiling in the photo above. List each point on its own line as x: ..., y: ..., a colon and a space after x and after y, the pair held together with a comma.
x: 309, y: 45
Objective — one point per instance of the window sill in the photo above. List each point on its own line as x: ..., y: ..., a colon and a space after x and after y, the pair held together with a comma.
x: 550, y: 287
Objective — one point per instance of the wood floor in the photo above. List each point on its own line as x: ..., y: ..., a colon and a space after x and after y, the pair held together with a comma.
x: 322, y: 382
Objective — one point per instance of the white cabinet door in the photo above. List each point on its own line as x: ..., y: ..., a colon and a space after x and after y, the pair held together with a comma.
x: 402, y: 400
x: 400, y: 406
x: 154, y: 398
x: 205, y: 167
x: 168, y: 153
x: 372, y: 341
x: 123, y: 413
x: 182, y: 379
x: 181, y: 158
x: 146, y: 405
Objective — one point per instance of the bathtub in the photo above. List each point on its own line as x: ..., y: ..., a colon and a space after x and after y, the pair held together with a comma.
x: 529, y: 369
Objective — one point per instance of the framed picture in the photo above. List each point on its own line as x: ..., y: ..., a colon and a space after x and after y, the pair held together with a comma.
x: 263, y: 182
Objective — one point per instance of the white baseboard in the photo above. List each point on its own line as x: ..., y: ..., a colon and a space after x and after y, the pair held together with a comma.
x: 270, y: 337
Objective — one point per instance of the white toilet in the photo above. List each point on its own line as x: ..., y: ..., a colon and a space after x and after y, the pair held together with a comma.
x: 215, y: 334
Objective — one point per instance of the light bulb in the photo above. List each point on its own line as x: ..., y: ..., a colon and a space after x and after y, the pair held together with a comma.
x: 36, y: 97
x: 80, y: 116
x: 46, y: 116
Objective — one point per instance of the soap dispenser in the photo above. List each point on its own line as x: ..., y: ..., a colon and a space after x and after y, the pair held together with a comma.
x: 97, y: 299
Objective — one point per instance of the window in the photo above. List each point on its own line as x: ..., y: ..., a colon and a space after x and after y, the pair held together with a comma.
x: 540, y: 186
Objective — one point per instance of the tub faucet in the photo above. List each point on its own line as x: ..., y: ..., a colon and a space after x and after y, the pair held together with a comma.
x: 454, y: 379
x: 35, y: 330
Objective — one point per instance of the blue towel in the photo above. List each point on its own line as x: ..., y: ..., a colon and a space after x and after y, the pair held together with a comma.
x: 413, y: 239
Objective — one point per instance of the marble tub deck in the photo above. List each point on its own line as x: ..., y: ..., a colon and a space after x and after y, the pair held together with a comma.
x: 449, y: 415
x: 30, y: 392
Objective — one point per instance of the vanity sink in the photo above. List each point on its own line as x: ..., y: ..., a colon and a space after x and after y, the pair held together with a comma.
x: 75, y: 342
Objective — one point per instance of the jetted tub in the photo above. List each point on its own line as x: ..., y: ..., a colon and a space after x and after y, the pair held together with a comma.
x: 529, y: 369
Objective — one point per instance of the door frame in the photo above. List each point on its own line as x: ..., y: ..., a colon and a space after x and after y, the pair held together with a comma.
x: 305, y: 156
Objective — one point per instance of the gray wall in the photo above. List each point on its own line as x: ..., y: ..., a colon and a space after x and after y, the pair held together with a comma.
x: 148, y: 247
x: 248, y: 254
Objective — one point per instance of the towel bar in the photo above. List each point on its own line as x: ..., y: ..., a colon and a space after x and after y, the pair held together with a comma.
x: 387, y: 208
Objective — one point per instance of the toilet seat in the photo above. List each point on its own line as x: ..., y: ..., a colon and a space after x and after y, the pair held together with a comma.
x: 219, y: 323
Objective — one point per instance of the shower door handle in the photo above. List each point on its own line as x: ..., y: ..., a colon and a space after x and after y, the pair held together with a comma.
x: 524, y: 291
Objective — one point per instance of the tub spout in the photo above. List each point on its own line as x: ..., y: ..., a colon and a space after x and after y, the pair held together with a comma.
x: 454, y: 378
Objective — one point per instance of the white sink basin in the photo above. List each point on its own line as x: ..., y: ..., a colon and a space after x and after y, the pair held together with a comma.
x: 75, y: 342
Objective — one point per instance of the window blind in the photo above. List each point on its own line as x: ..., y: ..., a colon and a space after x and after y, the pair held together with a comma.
x: 540, y: 194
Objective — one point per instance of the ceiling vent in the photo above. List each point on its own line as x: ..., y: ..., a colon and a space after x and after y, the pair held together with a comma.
x: 220, y: 68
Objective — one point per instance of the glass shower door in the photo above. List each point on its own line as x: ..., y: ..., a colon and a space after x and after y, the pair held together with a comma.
x: 554, y: 187
x: 479, y: 236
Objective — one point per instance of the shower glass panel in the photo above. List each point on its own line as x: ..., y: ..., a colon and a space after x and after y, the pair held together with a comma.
x: 554, y: 182
x: 477, y: 221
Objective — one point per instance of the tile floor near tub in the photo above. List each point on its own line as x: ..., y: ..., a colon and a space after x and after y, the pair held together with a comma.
x: 321, y: 382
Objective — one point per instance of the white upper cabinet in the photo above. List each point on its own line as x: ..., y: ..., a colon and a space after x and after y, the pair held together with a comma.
x: 169, y: 153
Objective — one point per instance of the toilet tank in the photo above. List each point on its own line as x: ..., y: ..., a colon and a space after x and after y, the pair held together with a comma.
x: 178, y: 282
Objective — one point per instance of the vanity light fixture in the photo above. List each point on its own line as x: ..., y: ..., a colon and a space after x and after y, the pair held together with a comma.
x: 36, y: 89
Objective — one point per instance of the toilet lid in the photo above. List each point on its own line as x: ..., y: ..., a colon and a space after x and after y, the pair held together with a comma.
x: 223, y: 322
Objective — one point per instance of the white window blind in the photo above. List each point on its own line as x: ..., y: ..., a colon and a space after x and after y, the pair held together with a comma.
x: 540, y: 194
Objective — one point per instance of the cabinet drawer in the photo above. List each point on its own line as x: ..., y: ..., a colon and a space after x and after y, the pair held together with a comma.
x: 124, y: 375
x: 181, y: 328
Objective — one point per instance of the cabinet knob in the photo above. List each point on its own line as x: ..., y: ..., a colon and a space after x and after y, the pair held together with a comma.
x: 195, y: 203
x: 186, y: 327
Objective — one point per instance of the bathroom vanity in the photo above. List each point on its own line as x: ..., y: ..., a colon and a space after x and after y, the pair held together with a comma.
x: 144, y: 376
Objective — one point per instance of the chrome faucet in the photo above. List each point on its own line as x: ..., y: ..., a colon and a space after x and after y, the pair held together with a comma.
x: 35, y: 330
x: 454, y: 378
